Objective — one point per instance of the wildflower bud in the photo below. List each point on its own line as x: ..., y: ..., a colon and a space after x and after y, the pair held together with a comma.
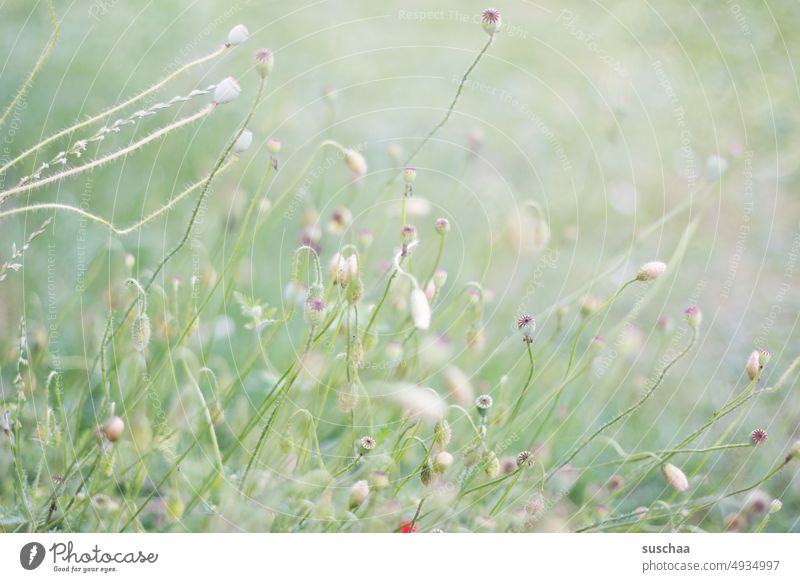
x: 526, y: 325
x: 491, y: 465
x: 675, y: 477
x: 426, y: 474
x: 665, y: 324
x: 442, y: 461
x: 379, y: 479
x: 366, y: 444
x: 439, y: 278
x: 589, y: 304
x: 364, y: 238
x: 409, y: 175
x: 238, y: 35
x: 442, y: 433
x: 651, y: 270
x: 693, y: 316
x: 484, y: 403
x: 355, y: 290
x: 341, y: 218
x: 442, y: 226
x: 420, y: 309
x: 265, y: 61
x: 408, y: 234
x: 562, y: 310
x: 753, y: 366
x: 273, y: 145
x: 430, y: 291
x: 598, y: 343
x: 242, y: 143
x: 113, y: 429
x: 775, y: 506
x: 315, y: 309
x: 491, y: 21
x: 525, y: 458
x: 140, y: 332
x: 794, y: 451
x: 764, y: 356
x: 759, y: 436
x: 227, y: 90
x: 358, y: 493
x: 355, y: 161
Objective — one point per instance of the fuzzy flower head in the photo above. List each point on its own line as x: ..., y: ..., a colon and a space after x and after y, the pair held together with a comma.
x: 694, y: 316
x: 265, y: 62
x: 651, y: 270
x: 675, y: 477
x: 759, y: 436
x: 484, y: 403
x: 526, y: 325
x: 315, y: 309
x: 491, y: 20
x: 273, y: 145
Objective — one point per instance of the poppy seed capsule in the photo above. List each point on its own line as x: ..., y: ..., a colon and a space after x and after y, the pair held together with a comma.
x: 238, y: 35
x: 265, y: 61
x: 491, y: 20
x: 675, y: 477
x: 226, y: 91
x: 651, y: 270
x: 140, y: 332
x: 113, y: 429
x: 366, y: 444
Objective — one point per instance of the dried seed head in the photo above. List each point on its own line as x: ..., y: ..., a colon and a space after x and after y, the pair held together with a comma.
x: 675, y: 477
x: 491, y: 20
x: 140, y: 332
x: 113, y: 428
x: 758, y: 436
x: 484, y: 403
x: 227, y: 90
x: 651, y: 270
x: 526, y: 325
x: 367, y: 443
x: 694, y: 316
x: 238, y: 35
x: 524, y: 458
x: 420, y: 309
x: 265, y: 61
x: 243, y: 142
x: 753, y: 366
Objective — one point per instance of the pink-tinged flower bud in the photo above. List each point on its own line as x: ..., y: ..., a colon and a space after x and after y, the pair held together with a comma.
x: 589, y: 304
x: 243, y: 142
x: 665, y: 324
x: 439, y: 278
x: 408, y: 234
x: 693, y: 316
x: 113, y: 429
x: 430, y: 291
x: 227, y: 90
x: 420, y: 309
x: 238, y: 35
x: 265, y: 61
x: 442, y: 226
x: 753, y: 366
x: 366, y: 444
x: 442, y: 461
x: 273, y: 145
x: 491, y: 20
x: 764, y: 356
x: 365, y: 238
x: 675, y: 477
x: 379, y: 479
x: 358, y: 493
x: 315, y: 309
x: 651, y: 270
x: 409, y: 175
x: 355, y: 161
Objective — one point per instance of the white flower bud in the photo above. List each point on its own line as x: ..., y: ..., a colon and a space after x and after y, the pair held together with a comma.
x: 358, y: 493
x: 355, y: 161
x: 238, y: 35
x: 753, y: 366
x: 242, y: 143
x: 651, y: 270
x: 675, y: 477
x: 420, y: 309
x: 227, y: 90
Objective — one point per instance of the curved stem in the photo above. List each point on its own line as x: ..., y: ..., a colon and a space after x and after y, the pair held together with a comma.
x: 522, y: 393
